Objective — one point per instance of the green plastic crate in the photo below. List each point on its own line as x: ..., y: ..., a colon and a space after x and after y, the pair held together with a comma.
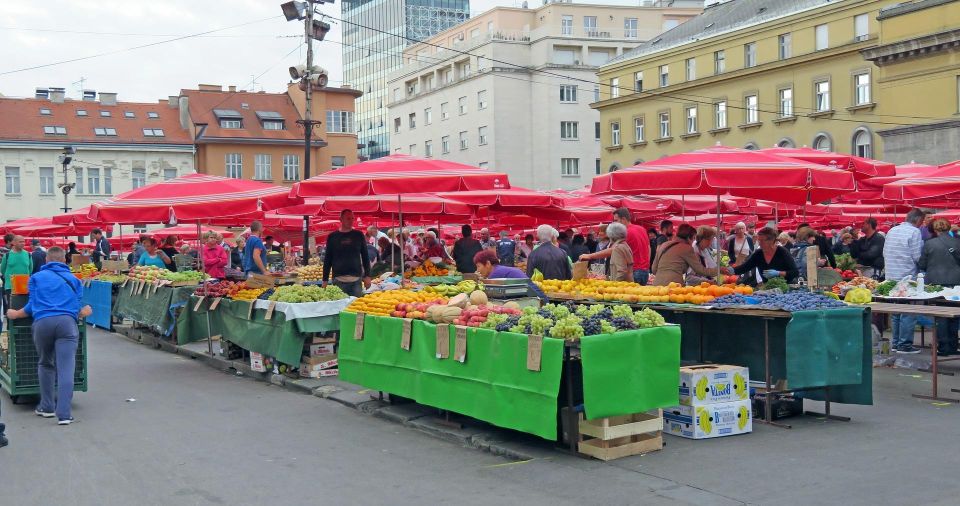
x: 18, y: 364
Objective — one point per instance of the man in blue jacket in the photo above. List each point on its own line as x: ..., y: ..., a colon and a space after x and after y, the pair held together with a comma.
x: 54, y: 304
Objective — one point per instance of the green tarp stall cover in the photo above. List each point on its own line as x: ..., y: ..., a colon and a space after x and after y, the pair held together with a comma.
x: 493, y: 383
x: 155, y: 310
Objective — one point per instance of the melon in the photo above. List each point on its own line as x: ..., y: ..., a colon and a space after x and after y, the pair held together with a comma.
x: 478, y: 298
x: 512, y: 305
x: 449, y: 314
x: 460, y: 300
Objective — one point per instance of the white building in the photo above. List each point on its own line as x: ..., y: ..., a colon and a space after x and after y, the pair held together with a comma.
x: 119, y: 146
x: 510, y: 89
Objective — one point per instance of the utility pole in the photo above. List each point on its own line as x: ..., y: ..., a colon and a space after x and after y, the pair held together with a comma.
x: 307, y: 123
x: 65, y: 187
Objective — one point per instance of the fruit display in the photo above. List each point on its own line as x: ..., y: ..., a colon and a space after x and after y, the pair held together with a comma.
x: 799, y: 300
x: 303, y: 293
x: 573, y: 321
x: 383, y: 303
x: 313, y: 272
x: 148, y: 273
x: 426, y: 269
x: 247, y: 294
x: 857, y: 282
x: 84, y: 271
x: 858, y: 296
x: 219, y: 289
x: 625, y: 291
x: 183, y: 276
x: 465, y: 286
x: 111, y: 278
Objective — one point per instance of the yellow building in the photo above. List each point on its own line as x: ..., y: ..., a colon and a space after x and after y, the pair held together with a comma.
x: 748, y: 73
x: 918, y: 80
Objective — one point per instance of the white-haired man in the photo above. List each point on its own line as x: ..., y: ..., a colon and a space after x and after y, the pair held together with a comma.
x: 547, y: 258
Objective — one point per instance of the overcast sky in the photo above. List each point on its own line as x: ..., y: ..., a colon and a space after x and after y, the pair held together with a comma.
x: 34, y: 33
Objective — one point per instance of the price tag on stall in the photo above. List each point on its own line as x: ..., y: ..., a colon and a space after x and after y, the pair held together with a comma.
x: 443, y: 340
x: 156, y: 285
x: 140, y: 286
x: 534, y: 352
x: 199, y: 303
x: 216, y: 302
x: 270, y: 308
x: 358, y: 328
x: 124, y: 283
x: 250, y: 310
x: 460, y: 345
x: 405, y: 335
x: 147, y: 296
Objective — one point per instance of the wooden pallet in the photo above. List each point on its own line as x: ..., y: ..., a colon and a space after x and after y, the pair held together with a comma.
x: 621, y: 436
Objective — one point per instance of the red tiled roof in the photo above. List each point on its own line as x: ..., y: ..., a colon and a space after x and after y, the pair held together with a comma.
x: 203, y: 103
x: 22, y: 121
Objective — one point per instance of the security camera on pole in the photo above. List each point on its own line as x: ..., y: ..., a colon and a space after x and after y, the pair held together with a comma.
x: 311, y: 78
x: 65, y: 158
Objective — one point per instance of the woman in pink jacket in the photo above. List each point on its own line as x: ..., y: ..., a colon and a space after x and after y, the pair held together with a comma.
x: 214, y: 256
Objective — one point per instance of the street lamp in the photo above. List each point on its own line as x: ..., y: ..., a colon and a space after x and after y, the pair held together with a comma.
x: 66, y: 156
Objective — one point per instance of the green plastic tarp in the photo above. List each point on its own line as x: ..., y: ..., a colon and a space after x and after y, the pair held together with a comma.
x: 155, y: 310
x: 493, y: 383
x: 631, y: 371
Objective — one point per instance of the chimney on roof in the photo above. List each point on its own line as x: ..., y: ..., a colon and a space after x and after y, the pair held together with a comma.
x: 209, y: 87
x: 232, y: 88
x: 89, y: 95
x: 173, y: 101
x: 42, y: 93
x: 107, y: 98
x: 184, y: 104
x: 57, y: 95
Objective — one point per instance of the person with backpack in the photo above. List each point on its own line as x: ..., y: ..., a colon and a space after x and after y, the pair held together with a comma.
x: 940, y: 261
x: 806, y: 238
x: 506, y: 249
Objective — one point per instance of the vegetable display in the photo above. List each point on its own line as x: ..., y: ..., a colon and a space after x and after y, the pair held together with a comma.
x: 774, y: 283
x: 310, y: 272
x: 427, y: 269
x: 465, y: 286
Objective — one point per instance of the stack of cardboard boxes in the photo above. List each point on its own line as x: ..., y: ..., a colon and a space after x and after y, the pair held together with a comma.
x: 714, y: 402
x: 319, y: 358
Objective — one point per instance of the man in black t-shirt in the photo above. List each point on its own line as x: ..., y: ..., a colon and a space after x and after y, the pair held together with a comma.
x: 346, y: 255
x: 465, y: 249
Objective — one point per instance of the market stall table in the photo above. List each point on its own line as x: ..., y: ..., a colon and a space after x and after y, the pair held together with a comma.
x: 100, y: 296
x: 152, y: 307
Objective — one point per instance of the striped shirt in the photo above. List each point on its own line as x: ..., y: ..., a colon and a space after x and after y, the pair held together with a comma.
x: 901, y: 251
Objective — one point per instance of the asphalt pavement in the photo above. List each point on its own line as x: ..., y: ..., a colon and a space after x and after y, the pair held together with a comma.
x: 158, y: 428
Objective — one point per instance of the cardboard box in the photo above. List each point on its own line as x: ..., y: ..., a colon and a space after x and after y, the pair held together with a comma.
x: 781, y: 405
x: 317, y: 359
x: 321, y: 349
x: 316, y: 366
x: 711, y: 383
x: 319, y: 374
x: 256, y: 362
x: 709, y: 421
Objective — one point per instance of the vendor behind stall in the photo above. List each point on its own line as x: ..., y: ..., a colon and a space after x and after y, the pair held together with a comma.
x: 153, y: 256
x: 488, y: 266
x: 770, y: 258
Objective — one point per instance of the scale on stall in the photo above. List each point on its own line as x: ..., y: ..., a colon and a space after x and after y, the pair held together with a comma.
x: 506, y: 288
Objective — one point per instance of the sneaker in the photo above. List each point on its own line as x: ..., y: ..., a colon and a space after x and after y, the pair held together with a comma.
x: 3, y: 441
x: 44, y: 414
x: 909, y: 349
x: 65, y: 421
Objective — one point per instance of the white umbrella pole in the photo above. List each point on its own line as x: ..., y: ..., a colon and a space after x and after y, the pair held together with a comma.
x: 719, y: 225
x: 400, y: 211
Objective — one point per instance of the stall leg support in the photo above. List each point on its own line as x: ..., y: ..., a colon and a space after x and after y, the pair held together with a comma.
x: 826, y: 409
x: 767, y: 396
x: 935, y: 396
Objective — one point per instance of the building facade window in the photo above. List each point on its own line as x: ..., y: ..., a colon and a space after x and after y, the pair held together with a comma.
x: 691, y: 120
x: 822, y: 96
x: 233, y: 164
x: 786, y: 142
x: 462, y: 102
x: 596, y: 93
x: 786, y: 102
x: 427, y: 116
x: 568, y: 130
x: 664, y: 118
x: 93, y: 181
x: 749, y: 55
x: 752, y: 114
x: 785, y: 45
x: 108, y: 181
x: 821, y: 37
x: 482, y: 136
x: 262, y: 167
x: 79, y: 185
x: 719, y: 62
x: 638, y: 81
x: 596, y: 131
x: 396, y: 125
x: 340, y: 122
x: 630, y: 28
x: 615, y: 133
x: 336, y: 162
x: 412, y: 120
x: 12, y: 180
x: 863, y: 143
x: 615, y: 87
x: 861, y: 85
x: 444, y: 111
x: 445, y: 144
x: 291, y: 167
x: 861, y: 27
x: 428, y: 148
x: 822, y: 142
x: 231, y: 124
x: 138, y: 177
x: 272, y: 124
x: 463, y: 140
x: 691, y: 69
x: 638, y: 130
x: 568, y: 93
x: 482, y: 99
x: 412, y: 150
x: 566, y: 25
x: 46, y: 180
x: 169, y: 174
x: 570, y: 167
x: 664, y: 75
x: 596, y: 166
x: 590, y: 26
x: 720, y: 115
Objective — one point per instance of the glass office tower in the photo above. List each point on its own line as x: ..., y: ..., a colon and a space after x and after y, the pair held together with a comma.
x: 375, y: 32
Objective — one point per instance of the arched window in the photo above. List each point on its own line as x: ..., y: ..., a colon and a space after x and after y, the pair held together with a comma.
x: 614, y: 167
x: 786, y: 142
x: 638, y: 161
x: 751, y: 146
x: 863, y: 143
x: 822, y: 142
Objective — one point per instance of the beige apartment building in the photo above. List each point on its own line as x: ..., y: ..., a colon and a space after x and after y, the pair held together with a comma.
x: 510, y: 88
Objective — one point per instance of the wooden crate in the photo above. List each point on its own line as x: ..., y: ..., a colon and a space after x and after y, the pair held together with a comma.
x: 621, y: 436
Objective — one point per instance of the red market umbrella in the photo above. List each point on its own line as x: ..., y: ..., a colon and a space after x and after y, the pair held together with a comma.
x: 675, y: 204
x: 22, y: 222
x: 194, y: 197
x: 940, y: 183
x: 513, y: 197
x: 400, y: 174
x: 44, y: 227
x: 78, y: 216
x: 861, y: 167
x: 188, y: 232
x: 381, y: 205
x: 721, y: 170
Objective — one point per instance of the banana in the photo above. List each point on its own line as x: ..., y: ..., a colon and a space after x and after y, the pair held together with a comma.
x: 703, y: 416
x: 702, y: 388
x: 740, y: 386
x: 743, y: 417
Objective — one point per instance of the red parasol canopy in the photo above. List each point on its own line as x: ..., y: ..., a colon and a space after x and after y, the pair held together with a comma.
x: 188, y: 232
x: 79, y: 216
x: 861, y: 167
x: 194, y: 197
x: 400, y: 174
x: 387, y: 206
x: 44, y: 227
x: 512, y: 197
x: 939, y: 183
x: 22, y: 222
x: 739, y: 172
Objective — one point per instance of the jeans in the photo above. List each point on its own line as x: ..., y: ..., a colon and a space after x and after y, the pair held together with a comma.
x: 903, y: 328
x: 354, y: 289
x: 56, y: 339
x: 947, y: 330
x: 641, y: 276
x: 4, y: 306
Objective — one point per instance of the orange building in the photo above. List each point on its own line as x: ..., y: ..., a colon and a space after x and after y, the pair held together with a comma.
x: 255, y: 135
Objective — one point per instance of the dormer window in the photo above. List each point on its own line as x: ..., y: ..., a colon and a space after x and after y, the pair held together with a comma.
x: 270, y: 120
x: 228, y: 118
x: 81, y: 112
